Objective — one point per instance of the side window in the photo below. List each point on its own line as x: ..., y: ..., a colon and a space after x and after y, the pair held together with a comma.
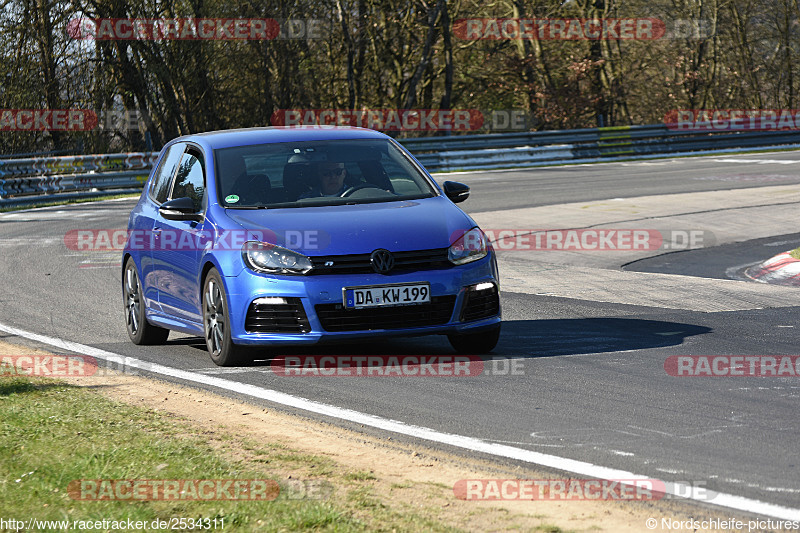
x: 189, y: 182
x: 165, y: 172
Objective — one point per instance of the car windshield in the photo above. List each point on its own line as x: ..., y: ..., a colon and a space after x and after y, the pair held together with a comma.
x: 314, y: 173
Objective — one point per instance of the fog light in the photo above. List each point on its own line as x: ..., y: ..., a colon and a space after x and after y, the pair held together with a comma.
x: 270, y: 300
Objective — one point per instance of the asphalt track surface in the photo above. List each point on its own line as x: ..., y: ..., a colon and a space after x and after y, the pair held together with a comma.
x: 510, y: 189
x: 728, y: 261
x: 592, y: 388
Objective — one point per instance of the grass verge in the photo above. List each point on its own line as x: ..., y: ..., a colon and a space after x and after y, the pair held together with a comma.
x: 53, y: 433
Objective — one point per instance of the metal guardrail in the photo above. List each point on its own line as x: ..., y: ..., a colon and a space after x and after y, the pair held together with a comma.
x: 42, y: 178
x: 554, y: 147
x: 74, y: 164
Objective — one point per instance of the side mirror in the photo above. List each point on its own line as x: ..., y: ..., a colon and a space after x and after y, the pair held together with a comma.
x: 179, y: 209
x: 457, y: 192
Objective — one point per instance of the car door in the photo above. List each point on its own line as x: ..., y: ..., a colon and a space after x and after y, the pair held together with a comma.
x: 145, y: 220
x: 179, y: 243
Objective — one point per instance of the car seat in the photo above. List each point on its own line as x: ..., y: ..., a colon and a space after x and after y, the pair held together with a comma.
x: 296, y: 180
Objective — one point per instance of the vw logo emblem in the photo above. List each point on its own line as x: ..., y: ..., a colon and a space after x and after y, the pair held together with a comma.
x: 382, y: 261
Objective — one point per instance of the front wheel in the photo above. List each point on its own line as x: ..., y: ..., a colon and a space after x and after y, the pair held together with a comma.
x: 217, y: 324
x: 139, y: 329
x: 478, y: 343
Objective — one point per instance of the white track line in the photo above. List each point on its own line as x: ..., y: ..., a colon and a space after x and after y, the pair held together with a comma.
x: 468, y: 443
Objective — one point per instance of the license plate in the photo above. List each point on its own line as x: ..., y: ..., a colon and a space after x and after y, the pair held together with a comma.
x: 386, y: 295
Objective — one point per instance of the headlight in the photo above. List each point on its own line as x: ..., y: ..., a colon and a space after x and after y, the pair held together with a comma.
x: 469, y: 247
x: 274, y: 259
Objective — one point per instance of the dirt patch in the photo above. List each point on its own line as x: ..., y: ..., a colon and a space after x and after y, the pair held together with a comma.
x: 402, y: 476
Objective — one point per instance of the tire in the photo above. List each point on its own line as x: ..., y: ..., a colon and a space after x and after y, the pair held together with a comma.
x: 217, y: 324
x: 478, y: 343
x: 140, y: 331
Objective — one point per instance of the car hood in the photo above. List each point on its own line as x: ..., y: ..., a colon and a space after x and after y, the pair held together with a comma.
x: 357, y: 229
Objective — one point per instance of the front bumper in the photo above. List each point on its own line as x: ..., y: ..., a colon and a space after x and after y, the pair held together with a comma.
x: 326, y: 291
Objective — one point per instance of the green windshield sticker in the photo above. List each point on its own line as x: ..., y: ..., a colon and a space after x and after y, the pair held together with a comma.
x: 231, y: 199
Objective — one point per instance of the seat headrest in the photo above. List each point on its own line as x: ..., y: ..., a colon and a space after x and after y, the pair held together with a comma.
x: 232, y: 165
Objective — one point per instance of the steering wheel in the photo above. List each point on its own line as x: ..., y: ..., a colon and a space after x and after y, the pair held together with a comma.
x: 358, y: 187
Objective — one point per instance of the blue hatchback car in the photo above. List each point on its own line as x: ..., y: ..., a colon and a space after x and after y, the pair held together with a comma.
x: 277, y: 236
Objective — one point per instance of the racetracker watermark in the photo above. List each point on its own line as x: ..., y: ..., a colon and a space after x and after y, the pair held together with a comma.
x: 47, y: 120
x: 305, y: 489
x: 393, y: 366
x: 560, y: 29
x: 409, y: 119
x: 47, y: 365
x: 760, y: 366
x: 580, y: 240
x: 173, y: 489
x: 559, y: 489
x: 120, y: 120
x: 115, y: 240
x: 70, y: 120
x: 733, y: 119
x: 197, y: 29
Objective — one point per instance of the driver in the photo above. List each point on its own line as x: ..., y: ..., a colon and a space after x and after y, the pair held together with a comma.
x: 330, y: 176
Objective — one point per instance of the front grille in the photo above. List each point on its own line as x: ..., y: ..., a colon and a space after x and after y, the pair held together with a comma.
x: 334, y: 317
x: 403, y: 262
x: 480, y: 304
x: 277, y: 318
